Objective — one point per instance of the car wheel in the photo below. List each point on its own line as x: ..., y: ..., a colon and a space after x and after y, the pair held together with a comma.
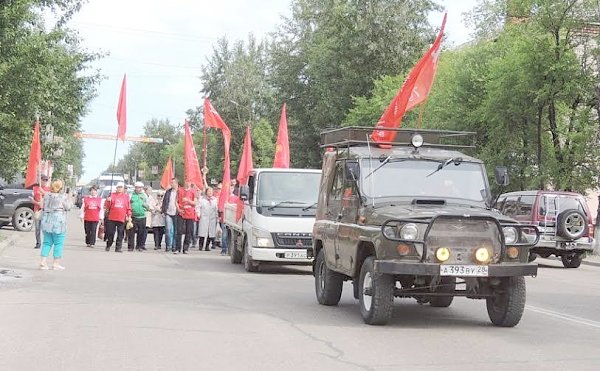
x: 249, y: 264
x: 22, y: 219
x: 447, y: 286
x: 328, y: 284
x: 234, y: 254
x: 571, y: 224
x: 505, y: 308
x: 376, y: 294
x: 532, y: 257
x: 572, y: 260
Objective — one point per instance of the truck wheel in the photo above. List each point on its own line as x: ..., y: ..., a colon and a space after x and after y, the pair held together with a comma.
x: 376, y: 294
x: 249, y: 264
x: 234, y: 253
x: 572, y: 260
x: 447, y: 285
x: 22, y: 219
x: 506, y: 307
x: 328, y: 284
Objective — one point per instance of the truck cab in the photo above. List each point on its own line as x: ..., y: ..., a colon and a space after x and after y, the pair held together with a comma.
x: 279, y: 213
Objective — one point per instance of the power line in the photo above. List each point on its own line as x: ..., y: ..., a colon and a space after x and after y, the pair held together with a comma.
x: 172, y: 35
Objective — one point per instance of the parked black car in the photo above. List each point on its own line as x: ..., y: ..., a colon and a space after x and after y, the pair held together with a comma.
x: 16, y: 207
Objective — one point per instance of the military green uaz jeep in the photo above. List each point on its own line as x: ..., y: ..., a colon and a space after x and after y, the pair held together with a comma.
x: 415, y: 220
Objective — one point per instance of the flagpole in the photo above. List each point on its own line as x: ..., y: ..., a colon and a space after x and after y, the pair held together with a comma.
x: 203, y: 146
x: 112, y: 172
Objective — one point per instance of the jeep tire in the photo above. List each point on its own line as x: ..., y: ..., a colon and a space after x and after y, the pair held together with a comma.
x: 572, y: 260
x: 571, y: 224
x: 249, y: 264
x: 22, y: 219
x: 505, y: 308
x: 376, y: 294
x: 234, y: 253
x: 328, y: 284
x: 446, y: 285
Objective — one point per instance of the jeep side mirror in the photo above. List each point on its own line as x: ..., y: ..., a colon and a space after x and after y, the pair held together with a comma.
x: 244, y: 192
x: 352, y: 171
x: 501, y: 173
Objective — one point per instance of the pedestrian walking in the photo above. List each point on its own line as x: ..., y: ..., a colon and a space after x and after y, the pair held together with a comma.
x: 118, y: 208
x: 186, y: 200
x: 136, y: 236
x: 54, y: 224
x: 91, y: 209
x: 39, y: 190
x: 170, y: 209
x: 208, y: 214
x: 157, y: 219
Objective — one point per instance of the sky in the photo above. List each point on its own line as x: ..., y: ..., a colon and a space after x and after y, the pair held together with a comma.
x: 161, y: 46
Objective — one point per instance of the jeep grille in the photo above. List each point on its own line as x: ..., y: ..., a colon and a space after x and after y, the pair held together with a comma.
x: 463, y: 237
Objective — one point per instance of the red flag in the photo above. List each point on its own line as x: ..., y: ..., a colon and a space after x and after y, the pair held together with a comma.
x: 35, y: 157
x: 168, y: 175
x: 414, y: 91
x: 282, y: 148
x: 244, y: 170
x: 213, y: 120
x: 122, y: 110
x: 191, y: 168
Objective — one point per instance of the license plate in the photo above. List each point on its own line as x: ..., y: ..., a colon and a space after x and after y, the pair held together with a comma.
x: 464, y: 270
x: 295, y: 255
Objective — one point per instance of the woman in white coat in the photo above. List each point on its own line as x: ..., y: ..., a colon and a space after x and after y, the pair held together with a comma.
x: 207, y: 225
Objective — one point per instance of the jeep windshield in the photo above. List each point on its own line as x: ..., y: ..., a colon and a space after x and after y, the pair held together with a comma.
x: 402, y: 178
x: 280, y: 193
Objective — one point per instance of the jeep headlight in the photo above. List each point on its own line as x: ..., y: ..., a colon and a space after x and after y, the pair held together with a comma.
x: 262, y: 238
x: 510, y: 235
x: 389, y: 232
x: 409, y: 232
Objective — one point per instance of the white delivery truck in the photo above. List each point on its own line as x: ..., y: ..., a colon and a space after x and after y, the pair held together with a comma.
x: 279, y: 213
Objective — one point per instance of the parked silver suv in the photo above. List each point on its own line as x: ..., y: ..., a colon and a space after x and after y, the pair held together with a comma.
x: 16, y: 207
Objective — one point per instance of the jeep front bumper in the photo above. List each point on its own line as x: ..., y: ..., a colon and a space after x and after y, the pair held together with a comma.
x: 432, y: 269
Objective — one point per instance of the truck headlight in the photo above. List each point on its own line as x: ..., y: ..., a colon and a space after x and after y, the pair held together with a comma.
x: 510, y: 235
x: 262, y: 238
x: 409, y: 232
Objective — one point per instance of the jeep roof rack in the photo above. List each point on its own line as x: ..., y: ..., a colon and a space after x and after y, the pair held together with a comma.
x: 357, y: 136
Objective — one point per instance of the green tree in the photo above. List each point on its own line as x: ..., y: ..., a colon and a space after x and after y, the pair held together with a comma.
x: 328, y: 52
x: 43, y: 71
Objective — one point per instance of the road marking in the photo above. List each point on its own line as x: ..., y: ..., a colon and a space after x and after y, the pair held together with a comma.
x: 565, y: 317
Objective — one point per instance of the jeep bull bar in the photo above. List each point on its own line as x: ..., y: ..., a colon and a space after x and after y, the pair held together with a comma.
x: 409, y: 231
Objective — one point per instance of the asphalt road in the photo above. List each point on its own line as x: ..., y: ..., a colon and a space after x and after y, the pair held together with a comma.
x: 157, y: 311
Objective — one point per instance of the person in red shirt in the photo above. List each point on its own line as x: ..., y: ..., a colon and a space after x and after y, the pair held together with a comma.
x: 38, y: 202
x: 119, y: 211
x: 91, y: 209
x: 186, y: 200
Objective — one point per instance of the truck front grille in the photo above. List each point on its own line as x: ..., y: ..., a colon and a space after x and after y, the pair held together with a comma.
x: 292, y: 240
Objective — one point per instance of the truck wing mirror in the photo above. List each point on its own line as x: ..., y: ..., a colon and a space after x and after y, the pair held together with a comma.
x: 244, y: 192
x: 501, y: 173
x: 352, y: 173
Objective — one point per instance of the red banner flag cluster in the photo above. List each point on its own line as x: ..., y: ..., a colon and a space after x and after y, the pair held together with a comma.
x: 282, y: 148
x: 168, y: 175
x: 213, y: 120
x: 192, y: 173
x: 122, y: 110
x: 35, y: 157
x: 244, y: 169
x: 414, y: 91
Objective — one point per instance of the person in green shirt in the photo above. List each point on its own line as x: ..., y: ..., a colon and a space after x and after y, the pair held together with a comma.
x: 137, y: 232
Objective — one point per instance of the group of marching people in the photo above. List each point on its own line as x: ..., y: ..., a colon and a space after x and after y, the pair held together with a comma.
x: 186, y: 217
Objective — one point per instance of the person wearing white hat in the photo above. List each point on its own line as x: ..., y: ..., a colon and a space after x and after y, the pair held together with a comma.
x: 136, y: 236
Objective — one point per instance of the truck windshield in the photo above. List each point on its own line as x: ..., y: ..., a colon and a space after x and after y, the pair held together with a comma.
x: 424, y: 178
x: 281, y: 189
